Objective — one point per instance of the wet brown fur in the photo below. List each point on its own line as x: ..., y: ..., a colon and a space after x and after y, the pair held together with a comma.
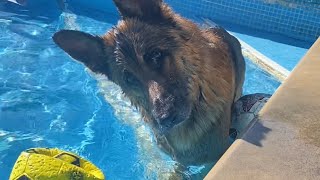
x: 202, y: 71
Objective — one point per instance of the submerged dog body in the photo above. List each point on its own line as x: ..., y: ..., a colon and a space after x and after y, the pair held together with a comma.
x: 184, y: 80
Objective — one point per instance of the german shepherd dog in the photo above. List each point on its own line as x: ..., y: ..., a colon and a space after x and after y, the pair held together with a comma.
x: 183, y: 79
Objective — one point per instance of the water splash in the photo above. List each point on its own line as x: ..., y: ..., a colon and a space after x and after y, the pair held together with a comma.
x: 157, y: 164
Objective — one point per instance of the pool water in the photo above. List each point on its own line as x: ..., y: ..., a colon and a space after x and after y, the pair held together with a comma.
x: 49, y: 100
x: 292, y: 50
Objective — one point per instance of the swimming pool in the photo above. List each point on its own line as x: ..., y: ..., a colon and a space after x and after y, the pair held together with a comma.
x: 49, y: 100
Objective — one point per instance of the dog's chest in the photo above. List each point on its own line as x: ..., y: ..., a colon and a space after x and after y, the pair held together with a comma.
x: 197, y: 154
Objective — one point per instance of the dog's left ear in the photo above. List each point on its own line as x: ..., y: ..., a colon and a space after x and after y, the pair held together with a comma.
x: 85, y: 48
x: 148, y: 10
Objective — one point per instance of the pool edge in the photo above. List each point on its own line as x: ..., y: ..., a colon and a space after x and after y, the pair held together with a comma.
x: 283, y: 143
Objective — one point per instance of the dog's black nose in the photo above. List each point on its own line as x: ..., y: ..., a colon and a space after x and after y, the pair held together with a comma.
x: 163, y: 109
x: 167, y: 122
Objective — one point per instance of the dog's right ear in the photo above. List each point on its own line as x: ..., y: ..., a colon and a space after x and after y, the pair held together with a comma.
x: 149, y: 10
x: 85, y: 48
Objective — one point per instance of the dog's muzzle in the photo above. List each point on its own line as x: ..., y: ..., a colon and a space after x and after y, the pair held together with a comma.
x: 163, y: 105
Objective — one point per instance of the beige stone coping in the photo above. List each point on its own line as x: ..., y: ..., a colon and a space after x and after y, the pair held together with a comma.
x: 285, y: 142
x: 265, y: 63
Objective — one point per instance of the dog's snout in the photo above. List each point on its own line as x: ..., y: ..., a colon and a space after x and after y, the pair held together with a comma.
x: 163, y: 102
x: 163, y: 109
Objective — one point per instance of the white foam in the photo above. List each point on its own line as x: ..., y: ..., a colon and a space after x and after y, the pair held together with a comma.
x: 156, y: 164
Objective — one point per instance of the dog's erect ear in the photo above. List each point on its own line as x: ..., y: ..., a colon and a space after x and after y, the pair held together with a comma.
x: 85, y: 48
x: 149, y: 10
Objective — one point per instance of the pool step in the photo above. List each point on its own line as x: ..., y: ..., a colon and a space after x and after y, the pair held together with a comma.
x: 265, y: 63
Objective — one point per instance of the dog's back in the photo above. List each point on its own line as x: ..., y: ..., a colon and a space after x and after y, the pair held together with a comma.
x: 237, y: 57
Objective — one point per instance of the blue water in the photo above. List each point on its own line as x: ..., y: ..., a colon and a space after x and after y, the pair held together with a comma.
x: 284, y: 50
x: 258, y: 81
x: 289, y: 56
x: 49, y: 100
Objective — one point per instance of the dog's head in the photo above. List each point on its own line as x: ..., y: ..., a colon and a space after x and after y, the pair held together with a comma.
x: 145, y: 54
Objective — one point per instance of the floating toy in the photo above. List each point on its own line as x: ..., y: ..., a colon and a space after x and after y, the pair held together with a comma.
x: 53, y: 164
x: 246, y: 111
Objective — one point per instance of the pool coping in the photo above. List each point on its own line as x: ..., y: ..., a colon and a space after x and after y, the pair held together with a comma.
x: 284, y: 142
x: 265, y: 63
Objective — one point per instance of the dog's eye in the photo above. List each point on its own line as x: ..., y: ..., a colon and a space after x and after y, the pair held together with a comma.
x: 130, y: 79
x: 155, y: 58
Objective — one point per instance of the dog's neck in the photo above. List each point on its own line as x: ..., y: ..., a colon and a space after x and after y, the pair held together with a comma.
x: 187, y: 150
x: 191, y: 138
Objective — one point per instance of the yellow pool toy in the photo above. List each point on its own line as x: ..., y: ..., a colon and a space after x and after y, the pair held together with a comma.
x: 53, y: 164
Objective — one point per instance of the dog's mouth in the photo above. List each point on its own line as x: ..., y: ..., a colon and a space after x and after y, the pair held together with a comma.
x: 165, y: 126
